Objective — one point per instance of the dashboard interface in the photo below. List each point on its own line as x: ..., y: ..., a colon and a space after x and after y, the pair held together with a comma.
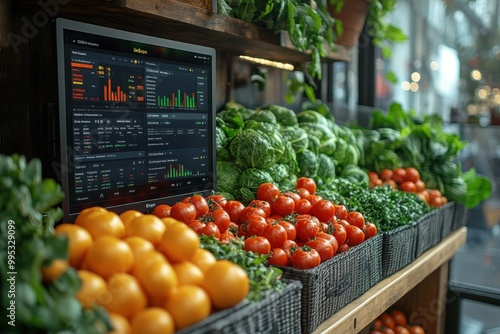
x: 137, y: 118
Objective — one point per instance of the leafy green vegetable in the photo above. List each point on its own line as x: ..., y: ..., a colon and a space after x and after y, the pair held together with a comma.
x: 326, y: 169
x: 311, y: 116
x: 227, y: 176
x: 308, y: 163
x: 478, y: 188
x: 252, y: 178
x: 264, y: 115
x: 284, y: 116
x: 263, y: 278
x: 251, y: 149
x: 28, y: 214
x: 278, y: 172
x: 296, y: 136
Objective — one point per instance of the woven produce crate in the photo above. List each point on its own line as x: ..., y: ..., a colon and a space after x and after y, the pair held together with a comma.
x: 278, y: 312
x: 335, y: 283
x: 399, y: 248
x: 447, y: 213
x: 428, y: 231
x: 459, y: 216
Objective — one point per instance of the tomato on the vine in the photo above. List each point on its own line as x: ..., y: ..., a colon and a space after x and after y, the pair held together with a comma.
x: 267, y: 192
x: 216, y: 200
x: 276, y: 234
x: 233, y: 209
x: 323, y: 209
x: 290, y: 229
x: 220, y: 218
x: 283, y: 205
x: 355, y: 235
x: 184, y: 212
x: 258, y: 244
x: 331, y: 239
x: 288, y: 246
x: 197, y: 225
x: 356, y: 218
x: 199, y: 202
x: 306, y: 229
x: 248, y: 210
x: 303, y: 207
x: 340, y: 233
x: 305, y: 258
x: 306, y: 183
x: 293, y: 195
x: 322, y: 246
x: 340, y: 211
x: 303, y: 192
x: 313, y: 198
x: 264, y: 205
x: 278, y: 257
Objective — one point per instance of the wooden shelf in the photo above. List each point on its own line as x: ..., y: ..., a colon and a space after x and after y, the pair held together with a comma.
x: 194, y: 21
x: 362, y: 311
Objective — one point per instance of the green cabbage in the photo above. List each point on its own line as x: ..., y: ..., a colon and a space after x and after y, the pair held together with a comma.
x: 227, y: 176
x: 326, y: 169
x: 265, y: 116
x: 296, y: 136
x: 308, y: 163
x: 278, y: 172
x: 284, y: 116
x: 311, y: 116
x: 252, y: 178
x: 251, y: 148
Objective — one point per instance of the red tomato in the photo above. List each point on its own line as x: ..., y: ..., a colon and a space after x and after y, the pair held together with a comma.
x: 408, y: 186
x: 344, y: 223
x: 293, y: 195
x: 257, y: 244
x: 264, y: 205
x: 276, y: 234
x: 306, y: 183
x: 340, y: 233
x: 356, y: 218
x: 386, y: 174
x: 401, y: 330
x: 399, y: 317
x: 313, y: 198
x: 343, y: 248
x: 290, y: 229
x: 211, y: 229
x: 197, y: 225
x: 412, y: 174
x: 387, y: 320
x: 184, y: 212
x: 283, y: 205
x: 323, y: 209
x: 322, y: 246
x: 305, y: 258
x: 278, y: 257
x: 331, y: 239
x: 200, y: 204
x: 256, y: 225
x: 216, y: 200
x: 162, y: 210
x: 416, y: 329
x: 247, y: 211
x: 288, y: 247
x: 399, y: 175
x: 221, y: 218
x: 267, y: 192
x: 306, y: 229
x: 303, y: 207
x: 340, y: 211
x: 233, y: 209
x: 355, y: 235
x: 303, y: 193
x: 370, y: 230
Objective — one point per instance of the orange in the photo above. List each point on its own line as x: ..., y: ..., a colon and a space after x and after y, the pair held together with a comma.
x: 158, y: 278
x: 99, y: 222
x: 129, y: 215
x: 145, y: 259
x: 92, y: 290
x: 120, y: 324
x: 179, y: 243
x: 148, y: 227
x: 188, y: 304
x: 203, y: 259
x: 188, y: 273
x: 167, y: 221
x: 55, y: 269
x: 79, y: 242
x: 153, y: 320
x: 109, y: 255
x: 139, y: 245
x: 227, y: 284
x: 126, y: 296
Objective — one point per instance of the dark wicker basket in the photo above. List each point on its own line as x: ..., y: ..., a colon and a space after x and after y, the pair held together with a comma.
x: 336, y: 282
x: 278, y: 312
x: 428, y: 231
x: 399, y: 248
x: 447, y: 213
x: 459, y: 216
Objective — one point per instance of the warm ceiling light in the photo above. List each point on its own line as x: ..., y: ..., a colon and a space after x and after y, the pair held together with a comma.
x: 405, y: 85
x: 482, y: 93
x: 283, y: 66
x: 414, y: 87
x: 434, y: 65
x: 415, y: 76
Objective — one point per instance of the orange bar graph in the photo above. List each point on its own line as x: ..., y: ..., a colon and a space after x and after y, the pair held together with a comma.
x: 110, y: 95
x: 82, y: 65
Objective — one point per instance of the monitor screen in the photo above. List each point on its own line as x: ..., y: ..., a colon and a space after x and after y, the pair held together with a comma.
x: 137, y: 118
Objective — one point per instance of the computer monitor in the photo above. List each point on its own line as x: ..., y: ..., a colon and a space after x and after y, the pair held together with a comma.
x: 137, y: 118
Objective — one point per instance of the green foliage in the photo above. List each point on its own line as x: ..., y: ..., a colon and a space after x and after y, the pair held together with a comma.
x: 27, y: 217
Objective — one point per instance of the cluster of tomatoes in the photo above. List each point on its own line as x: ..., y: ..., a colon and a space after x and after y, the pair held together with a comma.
x: 394, y: 321
x: 407, y: 180
x: 296, y: 228
x: 150, y: 274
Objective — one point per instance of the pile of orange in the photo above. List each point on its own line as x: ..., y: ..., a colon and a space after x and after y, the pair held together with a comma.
x: 150, y: 274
